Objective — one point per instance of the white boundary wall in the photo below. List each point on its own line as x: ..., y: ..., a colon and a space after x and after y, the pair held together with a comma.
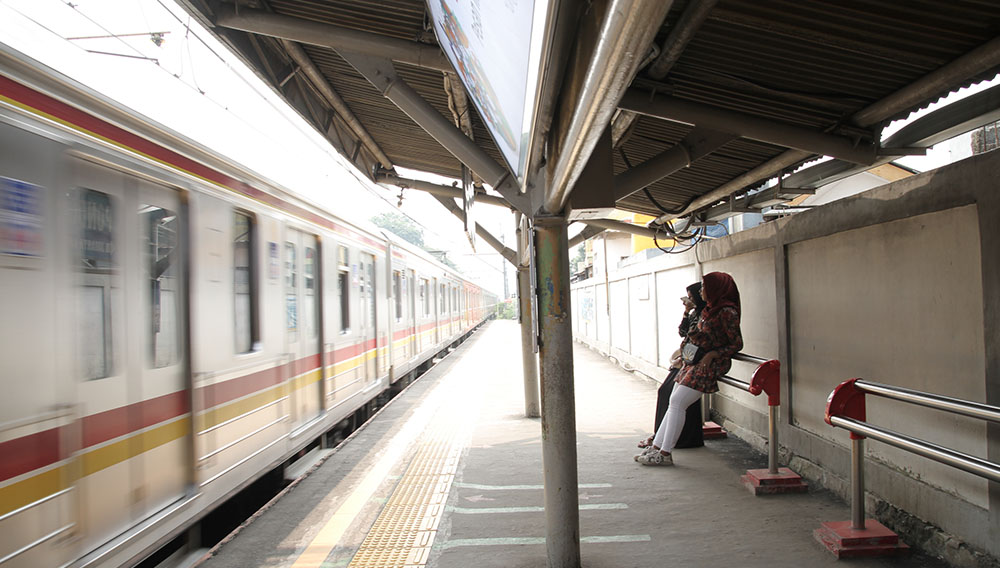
x: 899, y: 285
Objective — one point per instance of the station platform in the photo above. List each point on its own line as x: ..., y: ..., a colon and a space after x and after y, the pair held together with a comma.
x: 449, y: 474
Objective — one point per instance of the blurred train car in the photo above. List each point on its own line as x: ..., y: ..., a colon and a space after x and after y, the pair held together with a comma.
x: 174, y: 327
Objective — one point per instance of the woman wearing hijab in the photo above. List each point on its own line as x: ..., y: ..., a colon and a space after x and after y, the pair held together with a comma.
x: 709, y: 348
x: 691, y: 435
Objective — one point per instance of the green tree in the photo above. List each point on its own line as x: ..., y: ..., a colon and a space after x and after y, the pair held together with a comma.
x: 408, y: 230
x: 576, y: 263
x: 507, y: 309
x: 400, y: 225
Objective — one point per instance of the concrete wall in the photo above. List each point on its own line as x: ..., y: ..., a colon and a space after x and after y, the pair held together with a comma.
x: 899, y: 285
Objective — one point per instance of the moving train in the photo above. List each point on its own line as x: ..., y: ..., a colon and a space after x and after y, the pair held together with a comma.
x: 175, y: 327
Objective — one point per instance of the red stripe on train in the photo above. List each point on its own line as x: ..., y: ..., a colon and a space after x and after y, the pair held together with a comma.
x: 110, y: 424
x: 21, y: 455
x: 62, y: 111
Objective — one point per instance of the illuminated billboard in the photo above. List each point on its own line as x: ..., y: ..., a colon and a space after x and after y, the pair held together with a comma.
x: 495, y: 46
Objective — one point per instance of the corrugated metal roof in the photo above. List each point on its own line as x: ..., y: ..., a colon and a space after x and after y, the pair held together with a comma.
x: 808, y: 63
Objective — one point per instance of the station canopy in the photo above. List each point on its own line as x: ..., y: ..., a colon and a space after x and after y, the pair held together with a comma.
x: 664, y: 108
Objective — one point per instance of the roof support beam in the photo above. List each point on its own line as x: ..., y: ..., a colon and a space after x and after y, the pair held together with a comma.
x: 768, y: 169
x: 382, y: 75
x: 620, y: 226
x: 698, y: 143
x: 586, y: 233
x: 945, y: 123
x: 979, y: 60
x: 437, y: 189
x: 333, y: 37
x: 747, y: 126
x: 680, y: 35
x: 509, y: 254
x: 691, y: 19
x: 333, y: 99
x: 620, y: 41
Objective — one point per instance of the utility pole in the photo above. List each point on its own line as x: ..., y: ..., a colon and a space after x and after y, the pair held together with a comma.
x: 503, y: 262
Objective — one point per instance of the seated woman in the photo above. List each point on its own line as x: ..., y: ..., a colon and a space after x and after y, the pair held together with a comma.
x: 717, y: 337
x: 691, y: 435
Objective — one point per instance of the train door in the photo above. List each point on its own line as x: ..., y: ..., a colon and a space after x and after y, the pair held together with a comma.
x: 401, y: 351
x: 411, y: 287
x: 130, y: 317
x: 302, y: 325
x: 369, y: 352
x: 425, y: 315
x: 437, y: 309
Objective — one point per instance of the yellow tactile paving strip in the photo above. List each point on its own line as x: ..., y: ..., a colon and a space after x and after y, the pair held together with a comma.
x: 403, y: 533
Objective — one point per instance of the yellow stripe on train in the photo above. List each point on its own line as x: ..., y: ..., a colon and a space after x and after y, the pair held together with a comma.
x: 17, y: 495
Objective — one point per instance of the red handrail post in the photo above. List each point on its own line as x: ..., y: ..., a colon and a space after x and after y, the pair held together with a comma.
x: 767, y: 379
x: 859, y: 536
x: 848, y: 401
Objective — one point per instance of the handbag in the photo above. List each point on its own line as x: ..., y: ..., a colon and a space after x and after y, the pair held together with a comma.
x: 691, y: 353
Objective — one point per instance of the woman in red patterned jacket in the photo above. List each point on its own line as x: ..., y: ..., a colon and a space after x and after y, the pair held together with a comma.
x: 717, y: 339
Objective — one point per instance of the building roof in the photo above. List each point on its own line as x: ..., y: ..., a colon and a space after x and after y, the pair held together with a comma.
x: 740, y: 90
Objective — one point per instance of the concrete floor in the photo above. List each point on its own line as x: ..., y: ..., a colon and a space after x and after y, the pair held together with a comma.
x: 696, y: 513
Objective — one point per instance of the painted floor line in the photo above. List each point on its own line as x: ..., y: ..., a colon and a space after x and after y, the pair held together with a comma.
x: 319, y: 548
x: 541, y: 540
x: 521, y: 487
x: 491, y: 510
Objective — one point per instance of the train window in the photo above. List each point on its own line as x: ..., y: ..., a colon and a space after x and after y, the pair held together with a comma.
x: 443, y: 298
x: 99, y: 266
x: 309, y: 283
x: 160, y: 259
x: 244, y: 282
x: 309, y: 271
x: 425, y: 298
x: 369, y: 263
x: 344, y: 290
x: 291, y: 293
x: 397, y: 293
x: 409, y: 290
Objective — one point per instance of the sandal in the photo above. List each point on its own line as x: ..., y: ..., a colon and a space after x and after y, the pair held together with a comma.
x: 655, y: 458
x: 645, y: 443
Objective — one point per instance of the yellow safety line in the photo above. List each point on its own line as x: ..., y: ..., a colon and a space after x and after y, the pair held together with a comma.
x: 407, y: 525
x: 331, y: 533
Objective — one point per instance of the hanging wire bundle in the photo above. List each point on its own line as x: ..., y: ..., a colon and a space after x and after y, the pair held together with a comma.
x: 684, y: 239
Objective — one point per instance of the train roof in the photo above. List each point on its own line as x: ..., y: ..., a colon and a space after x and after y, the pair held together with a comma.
x: 69, y: 104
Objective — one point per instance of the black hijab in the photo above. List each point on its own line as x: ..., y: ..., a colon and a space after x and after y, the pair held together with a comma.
x: 694, y: 292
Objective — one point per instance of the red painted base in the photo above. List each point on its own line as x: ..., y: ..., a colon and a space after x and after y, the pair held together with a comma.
x: 711, y: 431
x: 760, y: 482
x: 845, y: 542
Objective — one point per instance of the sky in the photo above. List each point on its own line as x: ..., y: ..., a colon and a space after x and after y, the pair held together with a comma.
x: 193, y: 85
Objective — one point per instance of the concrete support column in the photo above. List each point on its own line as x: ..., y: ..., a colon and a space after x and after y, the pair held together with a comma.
x: 988, y: 207
x: 532, y: 408
x: 562, y: 511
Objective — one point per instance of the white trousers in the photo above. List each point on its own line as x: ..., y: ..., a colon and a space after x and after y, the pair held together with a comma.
x: 670, y: 428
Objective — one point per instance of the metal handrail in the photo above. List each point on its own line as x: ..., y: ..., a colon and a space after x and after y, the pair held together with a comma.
x: 972, y: 464
x: 734, y: 382
x: 766, y: 378
x: 749, y: 359
x: 845, y: 408
x: 936, y: 401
